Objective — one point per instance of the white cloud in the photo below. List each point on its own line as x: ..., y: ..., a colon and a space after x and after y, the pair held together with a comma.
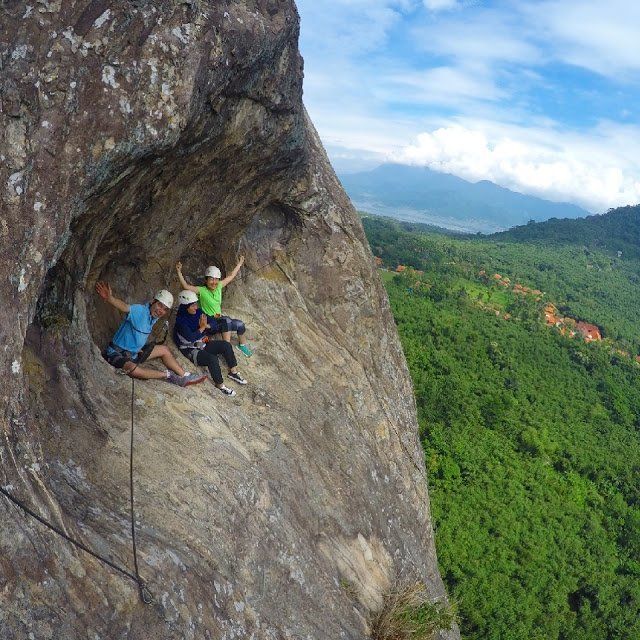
x: 440, y: 5
x: 490, y: 36
x: 442, y: 85
x: 492, y: 84
x: 349, y: 27
x: 557, y: 167
x: 599, y: 36
x: 355, y: 131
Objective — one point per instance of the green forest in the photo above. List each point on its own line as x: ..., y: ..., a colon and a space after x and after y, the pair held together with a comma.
x: 531, y: 438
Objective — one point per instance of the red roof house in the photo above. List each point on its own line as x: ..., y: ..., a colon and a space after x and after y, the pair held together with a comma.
x: 589, y: 331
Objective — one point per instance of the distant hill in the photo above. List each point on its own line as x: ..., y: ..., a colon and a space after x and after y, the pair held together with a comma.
x: 418, y: 194
x: 589, y: 268
x: 617, y: 230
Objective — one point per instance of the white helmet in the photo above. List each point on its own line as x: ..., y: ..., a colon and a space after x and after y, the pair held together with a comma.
x: 163, y: 296
x: 187, y: 297
x: 213, y: 272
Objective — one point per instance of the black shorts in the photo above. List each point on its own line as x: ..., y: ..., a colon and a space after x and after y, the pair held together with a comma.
x: 218, y: 324
x: 119, y: 357
x: 222, y: 324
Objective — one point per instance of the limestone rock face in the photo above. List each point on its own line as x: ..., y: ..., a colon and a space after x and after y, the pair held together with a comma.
x: 132, y: 135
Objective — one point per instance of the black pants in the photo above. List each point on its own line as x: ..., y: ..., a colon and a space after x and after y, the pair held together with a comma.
x: 208, y: 357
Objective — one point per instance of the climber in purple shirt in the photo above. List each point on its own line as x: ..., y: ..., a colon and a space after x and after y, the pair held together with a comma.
x: 190, y: 335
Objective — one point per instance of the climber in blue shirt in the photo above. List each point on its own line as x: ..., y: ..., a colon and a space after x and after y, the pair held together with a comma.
x: 128, y: 348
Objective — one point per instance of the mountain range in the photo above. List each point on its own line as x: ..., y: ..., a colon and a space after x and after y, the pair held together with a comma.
x: 418, y: 194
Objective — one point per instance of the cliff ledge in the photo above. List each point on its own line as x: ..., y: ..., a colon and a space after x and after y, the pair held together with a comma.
x: 132, y: 135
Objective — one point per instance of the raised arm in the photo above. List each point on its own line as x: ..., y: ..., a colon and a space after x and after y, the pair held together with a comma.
x: 233, y: 274
x: 183, y: 282
x: 103, y: 289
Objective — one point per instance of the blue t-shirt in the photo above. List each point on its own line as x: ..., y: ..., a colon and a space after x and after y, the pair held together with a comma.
x: 134, y: 331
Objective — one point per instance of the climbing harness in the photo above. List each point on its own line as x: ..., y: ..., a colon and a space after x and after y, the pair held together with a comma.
x: 145, y: 594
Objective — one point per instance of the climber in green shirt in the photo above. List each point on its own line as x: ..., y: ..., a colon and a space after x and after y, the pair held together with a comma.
x: 210, y: 300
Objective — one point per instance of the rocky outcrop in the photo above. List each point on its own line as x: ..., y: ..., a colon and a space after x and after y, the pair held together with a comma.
x: 134, y: 134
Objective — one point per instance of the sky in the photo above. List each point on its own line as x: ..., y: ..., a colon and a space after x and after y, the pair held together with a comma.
x: 540, y: 97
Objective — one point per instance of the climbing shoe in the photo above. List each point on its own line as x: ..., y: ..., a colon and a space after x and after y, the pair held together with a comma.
x: 227, y: 392
x: 193, y: 378
x: 245, y: 349
x: 236, y: 377
x: 186, y: 380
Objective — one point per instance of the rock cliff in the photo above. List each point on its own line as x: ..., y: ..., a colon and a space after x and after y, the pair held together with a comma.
x: 134, y: 134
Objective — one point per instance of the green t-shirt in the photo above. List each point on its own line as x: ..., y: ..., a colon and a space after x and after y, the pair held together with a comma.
x: 210, y: 301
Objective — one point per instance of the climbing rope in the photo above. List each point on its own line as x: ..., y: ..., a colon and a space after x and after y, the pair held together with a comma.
x: 145, y: 595
x: 68, y: 538
x: 261, y: 268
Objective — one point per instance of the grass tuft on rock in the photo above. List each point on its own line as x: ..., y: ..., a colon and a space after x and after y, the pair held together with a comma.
x: 408, y: 613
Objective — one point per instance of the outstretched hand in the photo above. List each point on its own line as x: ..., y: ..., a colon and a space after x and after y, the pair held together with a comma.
x: 178, y: 266
x: 103, y: 289
x: 241, y: 261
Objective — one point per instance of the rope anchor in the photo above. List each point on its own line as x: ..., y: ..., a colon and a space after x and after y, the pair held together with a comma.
x: 145, y: 595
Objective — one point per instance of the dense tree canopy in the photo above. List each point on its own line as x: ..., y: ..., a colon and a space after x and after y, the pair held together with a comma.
x: 532, y: 439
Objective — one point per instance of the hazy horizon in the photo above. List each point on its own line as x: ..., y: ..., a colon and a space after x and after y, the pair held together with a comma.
x: 537, y: 97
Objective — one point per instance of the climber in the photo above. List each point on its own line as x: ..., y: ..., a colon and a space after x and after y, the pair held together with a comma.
x: 190, y: 337
x: 128, y: 348
x: 210, y: 299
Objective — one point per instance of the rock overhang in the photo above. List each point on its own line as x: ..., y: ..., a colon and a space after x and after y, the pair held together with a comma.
x: 176, y: 131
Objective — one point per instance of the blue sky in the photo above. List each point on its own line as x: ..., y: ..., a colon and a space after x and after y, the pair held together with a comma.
x: 540, y: 97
